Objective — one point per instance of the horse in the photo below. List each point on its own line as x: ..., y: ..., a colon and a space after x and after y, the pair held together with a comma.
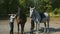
x: 39, y: 18
x: 21, y: 19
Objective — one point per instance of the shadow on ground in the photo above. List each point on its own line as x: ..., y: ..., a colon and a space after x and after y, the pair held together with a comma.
x: 51, y: 30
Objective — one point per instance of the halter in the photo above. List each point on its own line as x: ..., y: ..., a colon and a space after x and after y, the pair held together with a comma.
x: 31, y: 11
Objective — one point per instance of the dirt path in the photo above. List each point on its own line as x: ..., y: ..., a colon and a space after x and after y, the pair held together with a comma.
x: 54, y: 26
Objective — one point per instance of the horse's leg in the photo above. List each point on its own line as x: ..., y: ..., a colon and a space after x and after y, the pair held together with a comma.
x: 18, y: 28
x: 45, y: 27
x: 22, y: 28
x: 32, y: 26
x: 37, y: 27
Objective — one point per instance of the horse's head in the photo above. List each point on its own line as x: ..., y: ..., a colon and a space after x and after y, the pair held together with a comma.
x: 31, y: 10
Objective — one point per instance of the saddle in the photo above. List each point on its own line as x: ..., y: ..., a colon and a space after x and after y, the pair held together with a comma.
x: 42, y: 16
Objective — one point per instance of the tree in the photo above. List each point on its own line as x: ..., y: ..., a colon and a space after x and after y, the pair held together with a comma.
x: 8, y: 6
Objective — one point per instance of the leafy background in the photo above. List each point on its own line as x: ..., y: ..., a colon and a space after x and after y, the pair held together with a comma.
x: 10, y: 6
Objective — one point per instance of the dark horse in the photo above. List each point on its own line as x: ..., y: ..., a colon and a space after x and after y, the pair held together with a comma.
x: 21, y: 19
x: 38, y: 18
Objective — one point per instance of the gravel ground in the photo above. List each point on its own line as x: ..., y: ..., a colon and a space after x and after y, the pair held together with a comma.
x: 54, y: 26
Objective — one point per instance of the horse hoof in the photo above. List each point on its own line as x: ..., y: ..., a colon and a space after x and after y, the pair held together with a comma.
x: 32, y: 33
x: 37, y: 32
x: 47, y: 31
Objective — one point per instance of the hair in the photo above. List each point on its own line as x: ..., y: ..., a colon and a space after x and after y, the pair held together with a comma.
x: 45, y: 8
x: 32, y: 6
x: 18, y: 5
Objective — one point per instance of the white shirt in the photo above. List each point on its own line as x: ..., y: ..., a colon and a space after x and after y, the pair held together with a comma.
x: 12, y: 18
x: 46, y: 14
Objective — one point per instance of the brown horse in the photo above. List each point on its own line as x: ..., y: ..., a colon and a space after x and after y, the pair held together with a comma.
x: 21, y: 19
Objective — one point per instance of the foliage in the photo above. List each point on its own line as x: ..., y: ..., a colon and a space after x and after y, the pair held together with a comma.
x: 10, y: 6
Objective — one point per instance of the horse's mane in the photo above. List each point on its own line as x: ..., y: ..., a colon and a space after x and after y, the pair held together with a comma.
x: 21, y: 17
x: 21, y: 13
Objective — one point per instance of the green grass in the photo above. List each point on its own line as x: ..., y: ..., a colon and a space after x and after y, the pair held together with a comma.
x: 53, y: 15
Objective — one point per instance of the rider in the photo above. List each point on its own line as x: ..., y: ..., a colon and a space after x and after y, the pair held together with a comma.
x: 45, y: 14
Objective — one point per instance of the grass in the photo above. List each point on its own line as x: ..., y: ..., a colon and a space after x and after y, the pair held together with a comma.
x: 53, y: 15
